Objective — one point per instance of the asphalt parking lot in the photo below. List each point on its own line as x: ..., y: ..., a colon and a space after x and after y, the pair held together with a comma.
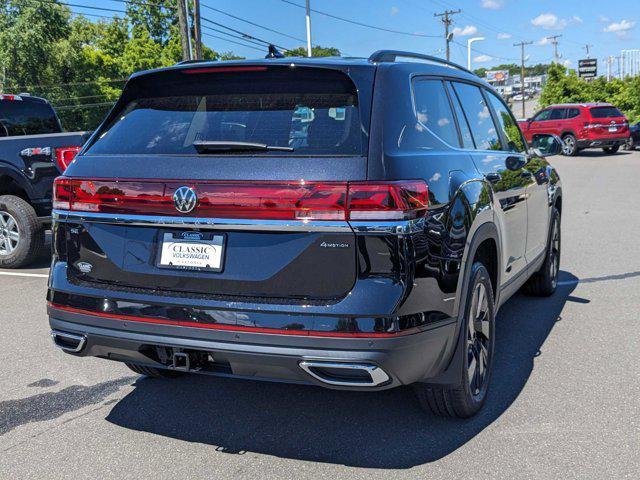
x: 564, y: 403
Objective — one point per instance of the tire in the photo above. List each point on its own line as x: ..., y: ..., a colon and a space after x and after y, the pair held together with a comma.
x: 466, y: 399
x: 569, y: 145
x: 544, y: 282
x: 611, y: 150
x: 21, y: 234
x: 153, y: 372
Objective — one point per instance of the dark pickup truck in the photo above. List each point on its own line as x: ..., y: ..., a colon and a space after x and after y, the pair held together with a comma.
x: 33, y: 151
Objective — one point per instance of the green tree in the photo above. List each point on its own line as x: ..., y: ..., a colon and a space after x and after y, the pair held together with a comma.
x: 316, y: 51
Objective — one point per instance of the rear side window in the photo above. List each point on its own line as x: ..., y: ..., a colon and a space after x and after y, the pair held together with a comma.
x: 463, y: 123
x: 27, y: 117
x: 557, y: 113
x: 605, y: 112
x: 311, y: 112
x: 508, y: 124
x: 573, y: 112
x: 433, y: 110
x: 478, y: 114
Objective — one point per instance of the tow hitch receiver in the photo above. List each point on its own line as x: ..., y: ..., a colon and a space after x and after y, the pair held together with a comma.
x: 181, y: 361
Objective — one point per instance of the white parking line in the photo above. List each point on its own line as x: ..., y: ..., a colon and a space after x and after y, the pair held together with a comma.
x: 20, y: 274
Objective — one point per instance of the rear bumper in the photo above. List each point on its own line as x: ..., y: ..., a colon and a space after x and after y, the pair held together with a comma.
x: 602, y: 142
x: 403, y: 359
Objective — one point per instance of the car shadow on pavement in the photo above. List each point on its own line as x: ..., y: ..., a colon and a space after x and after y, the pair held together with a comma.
x: 360, y: 429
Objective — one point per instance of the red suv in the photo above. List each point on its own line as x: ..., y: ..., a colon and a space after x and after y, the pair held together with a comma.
x: 580, y: 126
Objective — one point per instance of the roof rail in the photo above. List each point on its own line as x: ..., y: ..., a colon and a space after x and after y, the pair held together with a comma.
x: 392, y: 55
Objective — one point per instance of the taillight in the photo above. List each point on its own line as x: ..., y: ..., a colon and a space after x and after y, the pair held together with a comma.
x: 388, y: 201
x: 306, y: 201
x: 65, y: 155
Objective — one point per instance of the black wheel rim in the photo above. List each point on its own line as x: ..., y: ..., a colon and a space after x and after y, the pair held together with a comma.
x: 478, y: 341
x: 554, y: 260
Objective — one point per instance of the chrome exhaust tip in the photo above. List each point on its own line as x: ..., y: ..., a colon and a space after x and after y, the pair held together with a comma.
x: 345, y: 374
x: 69, y: 342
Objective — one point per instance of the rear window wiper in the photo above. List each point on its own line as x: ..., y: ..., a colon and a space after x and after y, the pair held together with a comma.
x: 208, y: 146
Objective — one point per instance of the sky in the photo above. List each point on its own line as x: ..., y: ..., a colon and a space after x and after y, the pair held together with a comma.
x: 607, y: 26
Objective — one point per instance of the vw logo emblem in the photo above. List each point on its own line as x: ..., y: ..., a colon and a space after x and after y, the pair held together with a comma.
x: 185, y: 199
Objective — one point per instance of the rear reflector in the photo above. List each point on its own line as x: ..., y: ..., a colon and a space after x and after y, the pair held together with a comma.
x: 305, y: 201
x: 65, y: 155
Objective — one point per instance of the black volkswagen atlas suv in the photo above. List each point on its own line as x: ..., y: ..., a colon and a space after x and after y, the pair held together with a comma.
x: 348, y: 223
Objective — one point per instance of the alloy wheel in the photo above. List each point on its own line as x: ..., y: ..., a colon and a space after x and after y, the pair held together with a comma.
x: 9, y: 234
x: 478, y: 341
x: 568, y: 145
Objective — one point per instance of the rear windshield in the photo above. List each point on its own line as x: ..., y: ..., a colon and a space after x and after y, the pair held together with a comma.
x: 309, y: 111
x: 605, y: 112
x: 25, y: 117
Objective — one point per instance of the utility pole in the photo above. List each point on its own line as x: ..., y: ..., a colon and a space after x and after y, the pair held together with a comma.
x: 522, y: 45
x: 183, y: 25
x: 586, y: 48
x: 308, y: 20
x: 554, y: 42
x: 197, y: 31
x: 446, y: 19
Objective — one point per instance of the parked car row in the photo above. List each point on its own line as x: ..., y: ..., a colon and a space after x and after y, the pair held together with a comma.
x: 580, y: 126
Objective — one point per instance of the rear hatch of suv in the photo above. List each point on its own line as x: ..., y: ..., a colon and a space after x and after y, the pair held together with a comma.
x: 224, y: 180
x: 607, y: 122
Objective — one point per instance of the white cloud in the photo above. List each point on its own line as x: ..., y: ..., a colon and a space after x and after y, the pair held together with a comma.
x: 482, y: 58
x: 576, y: 19
x: 543, y: 41
x: 620, y: 27
x: 394, y: 10
x: 504, y: 36
x: 549, y: 21
x: 604, y: 19
x: 466, y: 31
x: 567, y: 63
x: 492, y: 4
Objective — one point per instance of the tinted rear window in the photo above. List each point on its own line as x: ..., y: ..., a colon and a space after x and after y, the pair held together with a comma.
x: 605, y: 112
x: 27, y: 117
x: 313, y: 111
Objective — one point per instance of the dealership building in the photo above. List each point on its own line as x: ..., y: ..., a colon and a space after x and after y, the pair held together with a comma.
x: 508, y: 85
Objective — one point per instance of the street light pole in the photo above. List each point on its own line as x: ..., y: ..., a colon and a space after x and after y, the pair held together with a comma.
x: 309, y: 53
x: 469, y: 42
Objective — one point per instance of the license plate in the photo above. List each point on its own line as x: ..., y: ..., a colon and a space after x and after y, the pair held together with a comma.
x: 191, y: 251
x: 613, y: 129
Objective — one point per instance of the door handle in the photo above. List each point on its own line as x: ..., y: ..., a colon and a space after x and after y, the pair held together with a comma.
x: 493, y: 177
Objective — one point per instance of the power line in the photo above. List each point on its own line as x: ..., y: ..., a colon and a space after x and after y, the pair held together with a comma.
x: 399, y: 32
x: 243, y: 34
x: 238, y: 37
x: 232, y: 41
x: 53, y: 85
x: 86, y: 105
x: 251, y: 23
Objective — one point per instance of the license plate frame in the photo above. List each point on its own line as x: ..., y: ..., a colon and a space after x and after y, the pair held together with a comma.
x: 613, y: 129
x: 217, y: 240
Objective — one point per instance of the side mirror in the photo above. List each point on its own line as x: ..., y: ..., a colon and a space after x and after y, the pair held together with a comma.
x: 545, y: 145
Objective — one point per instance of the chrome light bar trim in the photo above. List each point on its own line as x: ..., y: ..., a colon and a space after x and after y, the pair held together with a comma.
x: 203, y: 223
x: 396, y: 227
x: 378, y: 375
